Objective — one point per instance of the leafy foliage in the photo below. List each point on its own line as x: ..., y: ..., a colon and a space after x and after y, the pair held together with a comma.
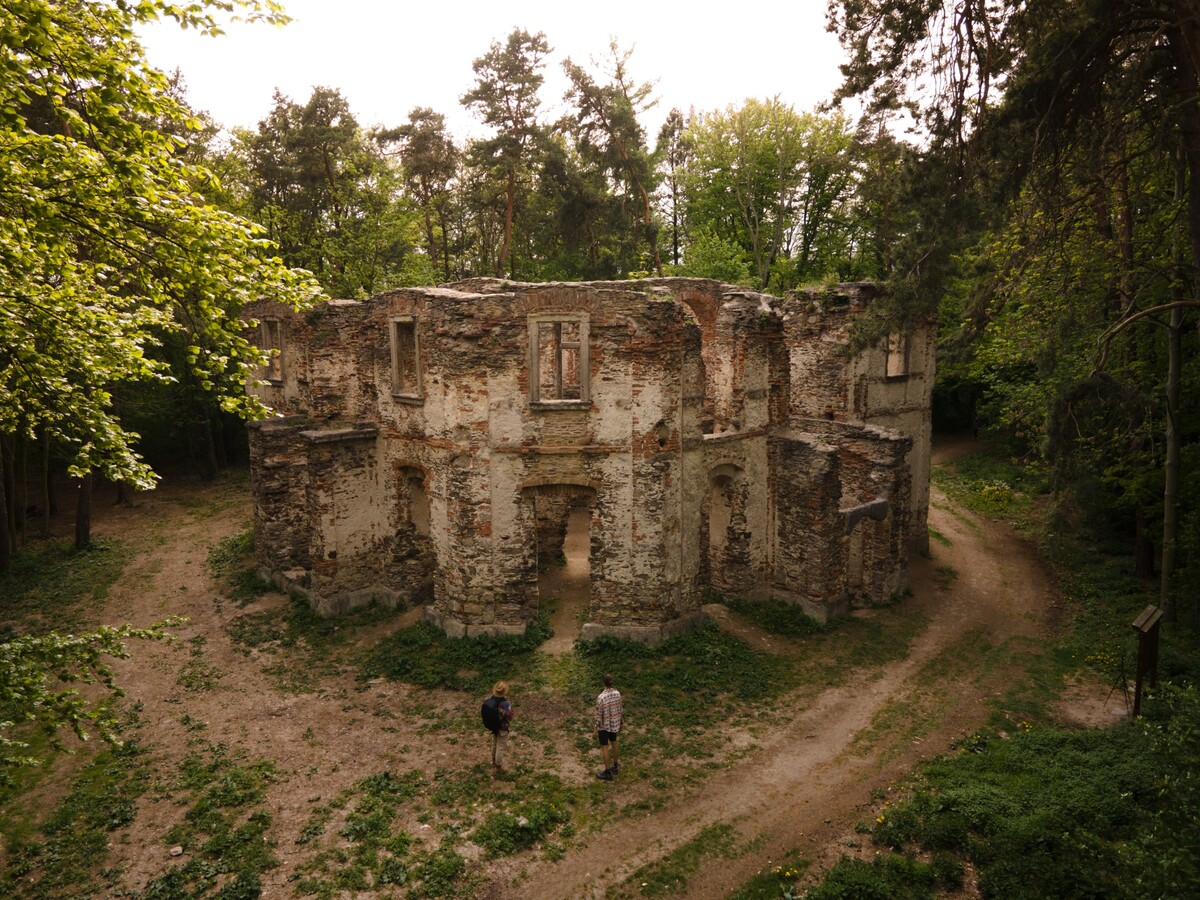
x: 106, y: 246
x: 1041, y: 813
x: 37, y: 674
x: 329, y: 195
x: 775, y: 183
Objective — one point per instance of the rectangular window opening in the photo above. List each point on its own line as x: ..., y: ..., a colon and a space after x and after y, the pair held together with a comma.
x: 897, y: 355
x: 406, y: 358
x: 272, y: 342
x: 559, y: 359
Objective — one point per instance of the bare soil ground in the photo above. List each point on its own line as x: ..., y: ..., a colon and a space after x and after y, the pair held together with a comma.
x: 806, y: 783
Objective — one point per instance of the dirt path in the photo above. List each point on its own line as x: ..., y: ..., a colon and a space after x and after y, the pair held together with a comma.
x: 570, y: 585
x: 808, y: 785
x: 803, y: 788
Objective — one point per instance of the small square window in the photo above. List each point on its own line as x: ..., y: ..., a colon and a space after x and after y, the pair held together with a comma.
x: 558, y: 359
x: 897, y: 355
x: 272, y: 342
x: 406, y: 357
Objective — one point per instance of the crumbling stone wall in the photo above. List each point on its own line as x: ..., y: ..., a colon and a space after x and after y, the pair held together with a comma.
x: 432, y: 442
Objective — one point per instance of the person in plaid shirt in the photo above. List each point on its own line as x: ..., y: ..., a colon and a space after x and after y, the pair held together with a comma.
x: 608, y: 726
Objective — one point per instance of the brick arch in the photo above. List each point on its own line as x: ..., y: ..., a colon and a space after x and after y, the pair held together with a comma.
x: 565, y: 481
x: 704, y: 307
x: 726, y: 533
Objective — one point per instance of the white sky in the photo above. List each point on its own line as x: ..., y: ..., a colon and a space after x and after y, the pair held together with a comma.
x: 388, y: 57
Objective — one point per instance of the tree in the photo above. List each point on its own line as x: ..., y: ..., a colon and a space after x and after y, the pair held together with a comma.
x: 1016, y: 99
x: 105, y: 245
x: 36, y: 674
x: 673, y: 152
x: 612, y: 141
x: 430, y: 165
x: 508, y: 78
x: 329, y: 195
x: 775, y: 182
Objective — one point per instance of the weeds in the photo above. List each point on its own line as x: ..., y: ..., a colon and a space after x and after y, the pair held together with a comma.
x: 223, y: 832
x: 231, y: 563
x: 371, y: 849
x: 75, y: 838
x: 1041, y: 813
x: 51, y: 584
x: 669, y: 875
x: 422, y: 654
x: 774, y: 883
x: 306, y: 646
x: 992, y: 486
x: 777, y: 617
x: 892, y: 877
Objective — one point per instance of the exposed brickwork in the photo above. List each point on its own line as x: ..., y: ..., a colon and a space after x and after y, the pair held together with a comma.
x: 432, y: 443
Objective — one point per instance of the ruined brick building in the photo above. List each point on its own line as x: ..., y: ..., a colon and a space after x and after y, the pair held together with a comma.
x: 430, y: 444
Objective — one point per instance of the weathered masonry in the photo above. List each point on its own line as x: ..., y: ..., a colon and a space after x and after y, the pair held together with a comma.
x: 430, y: 445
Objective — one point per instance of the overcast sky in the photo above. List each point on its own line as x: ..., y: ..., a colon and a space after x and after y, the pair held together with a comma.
x: 388, y: 57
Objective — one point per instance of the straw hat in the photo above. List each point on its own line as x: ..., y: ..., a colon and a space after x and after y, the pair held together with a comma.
x: 501, y: 689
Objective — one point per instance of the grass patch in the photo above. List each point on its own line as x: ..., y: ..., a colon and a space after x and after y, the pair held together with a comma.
x: 992, y: 486
x: 946, y: 576
x: 51, y: 584
x: 681, y: 683
x: 224, y: 831
x: 366, y: 846
x: 772, y: 884
x: 64, y: 855
x: 422, y: 654
x: 890, y: 877
x: 231, y: 562
x: 306, y: 647
x: 939, y: 537
x: 528, y: 822
x: 669, y: 875
x: 911, y: 716
x: 777, y: 617
x: 1041, y: 813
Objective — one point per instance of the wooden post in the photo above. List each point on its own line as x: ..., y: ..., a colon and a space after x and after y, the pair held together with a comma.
x: 1147, y: 627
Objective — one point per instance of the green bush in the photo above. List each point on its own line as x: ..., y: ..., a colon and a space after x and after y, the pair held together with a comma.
x: 890, y: 877
x: 1042, y: 813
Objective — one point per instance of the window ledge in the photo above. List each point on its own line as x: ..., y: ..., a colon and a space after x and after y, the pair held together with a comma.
x: 409, y: 399
x: 548, y: 405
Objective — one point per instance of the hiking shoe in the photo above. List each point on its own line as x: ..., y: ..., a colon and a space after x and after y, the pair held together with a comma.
x: 606, y: 775
x: 616, y: 767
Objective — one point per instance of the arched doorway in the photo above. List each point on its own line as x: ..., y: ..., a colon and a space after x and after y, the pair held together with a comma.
x: 728, y: 563
x: 562, y: 515
x: 413, y: 560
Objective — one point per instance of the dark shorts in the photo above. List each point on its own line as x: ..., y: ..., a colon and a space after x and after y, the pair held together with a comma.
x: 608, y: 737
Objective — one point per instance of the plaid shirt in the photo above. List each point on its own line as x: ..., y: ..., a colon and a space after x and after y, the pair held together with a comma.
x: 608, y: 710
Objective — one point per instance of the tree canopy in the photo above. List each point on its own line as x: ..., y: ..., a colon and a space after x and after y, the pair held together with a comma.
x: 107, y: 245
x: 1063, y: 157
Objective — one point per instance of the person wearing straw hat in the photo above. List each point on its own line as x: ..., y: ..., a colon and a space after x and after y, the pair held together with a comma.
x: 497, y: 713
